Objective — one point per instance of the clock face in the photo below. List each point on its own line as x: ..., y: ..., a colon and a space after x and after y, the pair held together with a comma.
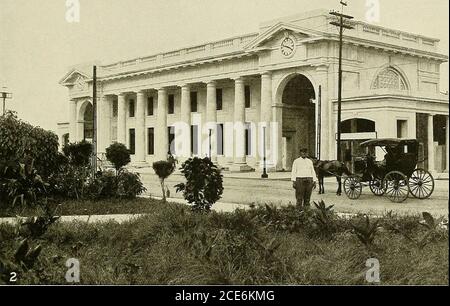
x: 287, y: 47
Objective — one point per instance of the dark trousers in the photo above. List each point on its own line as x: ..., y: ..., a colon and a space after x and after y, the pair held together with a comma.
x: 303, y: 190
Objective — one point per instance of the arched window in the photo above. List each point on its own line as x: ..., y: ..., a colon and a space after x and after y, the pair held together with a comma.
x: 357, y: 125
x: 88, y: 117
x: 389, y: 78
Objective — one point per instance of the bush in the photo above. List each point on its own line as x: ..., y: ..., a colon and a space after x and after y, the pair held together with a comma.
x: 107, y: 185
x: 129, y: 185
x: 163, y: 169
x: 78, y: 153
x: 20, y: 140
x: 118, y: 155
x: 20, y: 183
x: 204, y: 183
x: 103, y: 186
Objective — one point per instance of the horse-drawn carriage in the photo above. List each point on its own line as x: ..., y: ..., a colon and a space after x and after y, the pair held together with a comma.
x: 396, y: 176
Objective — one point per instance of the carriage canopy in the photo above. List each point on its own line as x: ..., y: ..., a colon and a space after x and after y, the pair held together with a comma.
x: 389, y: 142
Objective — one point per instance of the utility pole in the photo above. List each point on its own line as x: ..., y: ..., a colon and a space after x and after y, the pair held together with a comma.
x: 5, y: 95
x: 341, y: 26
x: 94, y: 109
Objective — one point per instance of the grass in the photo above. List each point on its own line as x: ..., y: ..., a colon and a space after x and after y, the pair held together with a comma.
x: 264, y: 245
x: 87, y: 207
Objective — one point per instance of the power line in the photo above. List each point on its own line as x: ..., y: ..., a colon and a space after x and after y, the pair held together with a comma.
x: 341, y: 26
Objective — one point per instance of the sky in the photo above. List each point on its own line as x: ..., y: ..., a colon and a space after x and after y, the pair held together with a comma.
x: 38, y: 45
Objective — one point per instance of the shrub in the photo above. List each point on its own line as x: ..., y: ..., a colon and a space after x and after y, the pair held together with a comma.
x: 103, y: 186
x: 20, y: 140
x: 20, y: 182
x: 118, y: 155
x: 204, y: 183
x: 163, y: 169
x: 78, y: 153
x: 70, y: 182
x: 366, y: 230
x: 26, y: 253
x: 323, y: 219
x: 129, y: 185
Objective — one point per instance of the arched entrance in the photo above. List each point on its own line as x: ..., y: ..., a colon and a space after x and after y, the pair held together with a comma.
x: 298, y: 119
x: 87, y: 115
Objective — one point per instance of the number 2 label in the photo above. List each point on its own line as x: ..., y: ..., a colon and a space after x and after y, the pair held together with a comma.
x: 13, y: 277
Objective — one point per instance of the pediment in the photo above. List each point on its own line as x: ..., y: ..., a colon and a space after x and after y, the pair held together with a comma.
x: 271, y: 37
x: 75, y: 78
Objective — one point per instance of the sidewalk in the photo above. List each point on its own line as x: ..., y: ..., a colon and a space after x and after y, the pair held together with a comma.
x: 219, y: 207
x: 256, y: 175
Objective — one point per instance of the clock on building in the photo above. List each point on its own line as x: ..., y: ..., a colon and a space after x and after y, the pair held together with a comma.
x: 287, y: 46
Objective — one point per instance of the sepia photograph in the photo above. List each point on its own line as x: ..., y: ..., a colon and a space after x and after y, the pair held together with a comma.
x: 221, y: 149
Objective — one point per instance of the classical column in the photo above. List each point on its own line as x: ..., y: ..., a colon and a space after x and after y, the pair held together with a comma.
x: 186, y: 120
x: 121, y: 118
x: 73, y: 121
x: 103, y: 130
x: 430, y: 138
x: 211, y: 118
x: 325, y: 119
x: 276, y: 131
x: 162, y: 137
x: 239, y: 159
x: 266, y: 119
x: 140, y: 127
x: 446, y: 145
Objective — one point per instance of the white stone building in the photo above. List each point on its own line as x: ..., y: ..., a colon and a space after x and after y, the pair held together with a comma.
x: 285, y: 78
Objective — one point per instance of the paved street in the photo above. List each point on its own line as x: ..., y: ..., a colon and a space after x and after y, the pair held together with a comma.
x: 248, y: 188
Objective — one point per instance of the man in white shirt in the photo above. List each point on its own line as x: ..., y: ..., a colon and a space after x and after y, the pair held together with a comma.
x: 304, y: 179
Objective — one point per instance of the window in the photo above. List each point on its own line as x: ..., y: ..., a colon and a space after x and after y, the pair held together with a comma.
x: 193, y: 101
x: 171, y: 104
x: 132, y: 145
x: 131, y: 108
x: 218, y: 99
x: 115, y: 108
x: 171, y: 132
x: 247, y: 96
x: 389, y: 78
x: 150, y: 106
x: 219, y: 139
x: 194, y: 139
x: 248, y: 139
x: 151, y: 141
x: 88, y: 126
x: 402, y: 128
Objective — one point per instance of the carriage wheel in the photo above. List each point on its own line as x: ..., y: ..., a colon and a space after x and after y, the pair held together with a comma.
x: 376, y: 186
x: 395, y: 185
x: 421, y: 184
x: 352, y: 187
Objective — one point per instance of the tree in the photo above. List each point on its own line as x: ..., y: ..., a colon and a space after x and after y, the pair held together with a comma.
x: 163, y: 169
x: 118, y: 155
x: 78, y: 153
x: 204, y: 183
x: 20, y: 140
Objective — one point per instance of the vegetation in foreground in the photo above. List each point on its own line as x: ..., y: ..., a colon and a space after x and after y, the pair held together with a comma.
x: 263, y: 245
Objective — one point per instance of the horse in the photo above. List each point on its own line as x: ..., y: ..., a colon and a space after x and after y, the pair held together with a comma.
x: 328, y: 168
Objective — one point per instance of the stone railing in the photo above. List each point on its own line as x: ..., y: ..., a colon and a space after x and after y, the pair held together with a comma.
x: 383, y: 32
x: 222, y: 46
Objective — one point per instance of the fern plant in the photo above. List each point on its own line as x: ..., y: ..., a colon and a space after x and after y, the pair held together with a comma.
x: 366, y: 231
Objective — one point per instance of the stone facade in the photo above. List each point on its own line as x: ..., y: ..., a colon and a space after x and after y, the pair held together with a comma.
x: 283, y: 78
